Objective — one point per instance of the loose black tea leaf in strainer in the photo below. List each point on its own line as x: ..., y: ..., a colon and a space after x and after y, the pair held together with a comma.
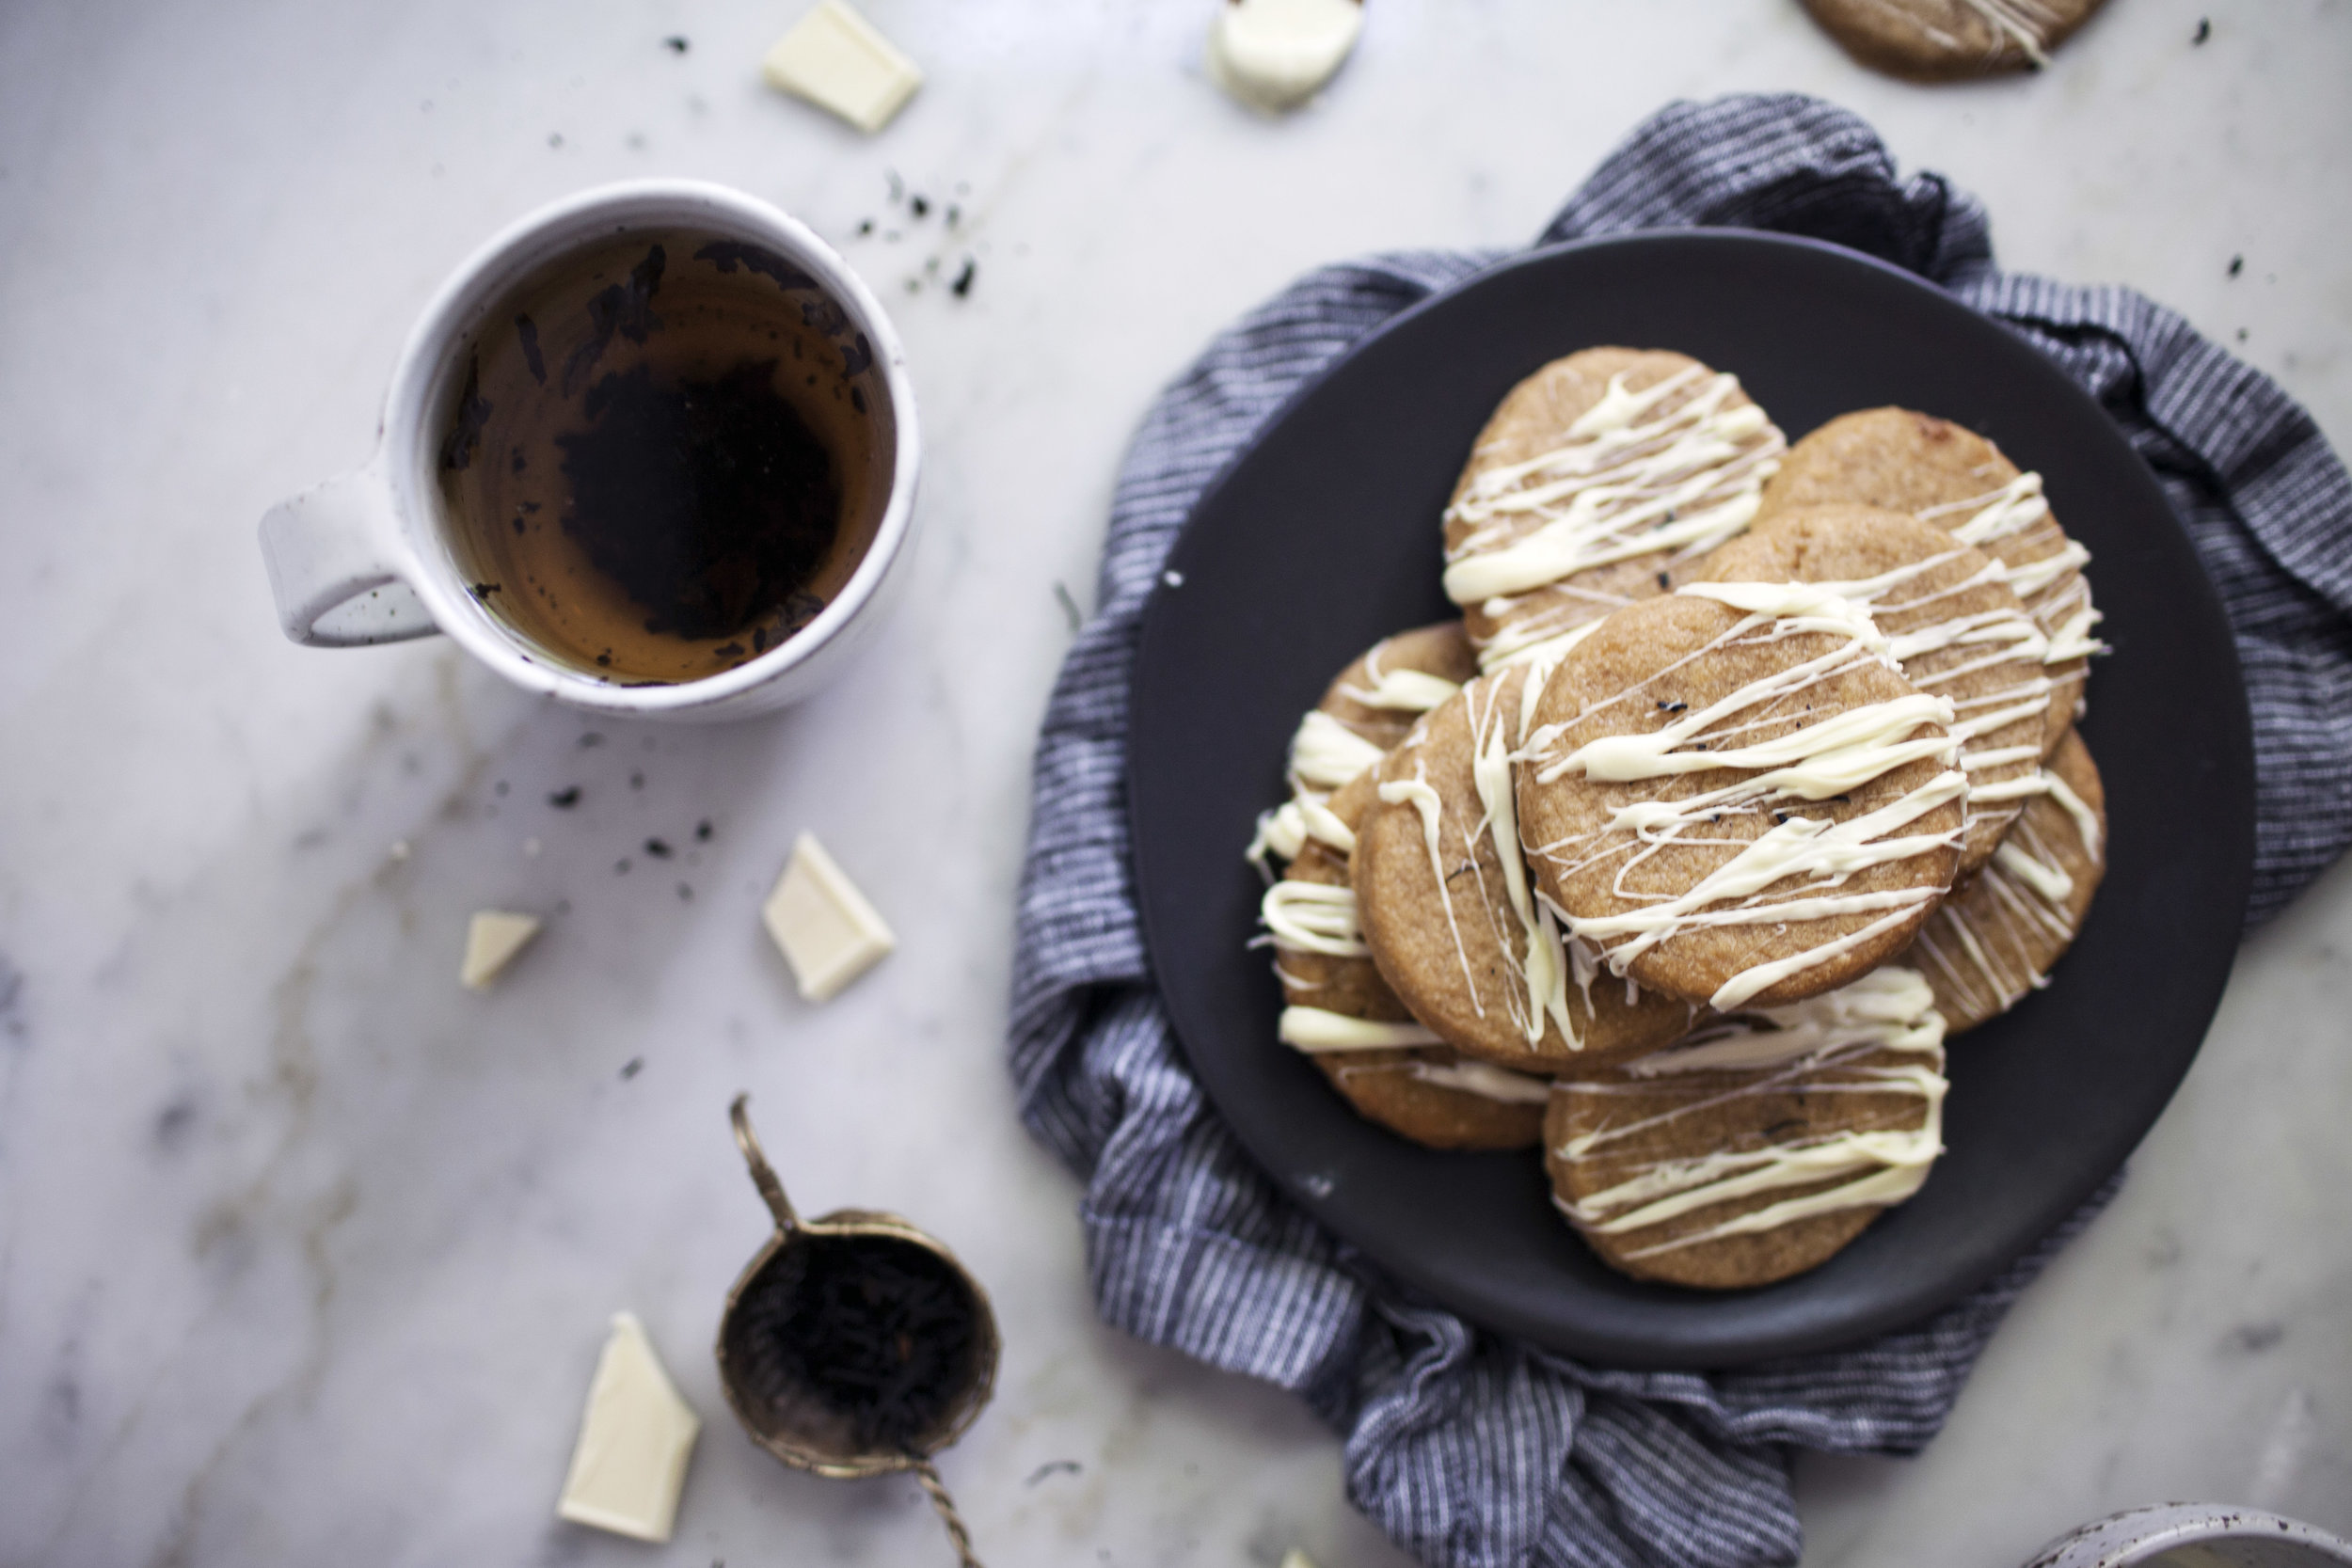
x: 879, y: 1331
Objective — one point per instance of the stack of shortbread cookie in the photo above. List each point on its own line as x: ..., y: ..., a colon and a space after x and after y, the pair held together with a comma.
x: 1748, y: 775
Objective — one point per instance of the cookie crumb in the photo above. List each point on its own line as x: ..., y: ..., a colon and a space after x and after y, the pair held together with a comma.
x: 658, y: 848
x: 631, y: 1068
x: 2204, y: 30
x: 702, y: 831
x: 564, y: 800
x: 675, y: 44
x: 2237, y: 264
x: 962, y: 285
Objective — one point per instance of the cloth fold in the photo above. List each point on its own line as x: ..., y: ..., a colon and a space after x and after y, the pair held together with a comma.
x: 1470, y: 1450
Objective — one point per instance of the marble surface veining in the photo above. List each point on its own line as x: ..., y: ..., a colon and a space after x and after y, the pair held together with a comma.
x: 305, y: 1253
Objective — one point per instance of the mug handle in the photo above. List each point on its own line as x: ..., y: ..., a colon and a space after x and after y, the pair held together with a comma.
x: 337, y: 548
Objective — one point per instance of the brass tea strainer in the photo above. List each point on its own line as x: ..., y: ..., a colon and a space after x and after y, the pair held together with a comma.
x: 854, y: 1344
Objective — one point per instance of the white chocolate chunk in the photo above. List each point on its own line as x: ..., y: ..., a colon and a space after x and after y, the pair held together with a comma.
x: 635, y: 1438
x: 835, y: 59
x: 829, y: 934
x: 493, y: 937
x: 1275, y: 53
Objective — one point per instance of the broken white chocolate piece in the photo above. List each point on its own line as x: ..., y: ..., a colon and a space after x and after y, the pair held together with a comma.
x: 492, y: 940
x: 834, y: 59
x: 1275, y: 54
x: 829, y: 934
x: 635, y: 1438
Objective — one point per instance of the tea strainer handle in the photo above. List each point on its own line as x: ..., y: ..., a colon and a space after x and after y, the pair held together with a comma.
x: 958, y: 1536
x: 763, y: 1174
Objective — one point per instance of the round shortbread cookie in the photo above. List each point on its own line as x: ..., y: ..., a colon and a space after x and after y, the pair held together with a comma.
x: 1760, y: 1145
x: 1450, y: 917
x: 1996, y: 938
x: 1943, y: 41
x: 1365, y: 710
x: 1956, y: 630
x: 1596, y: 483
x: 1740, y: 807
x: 1421, y: 1091
x: 1399, y: 678
x: 1944, y: 474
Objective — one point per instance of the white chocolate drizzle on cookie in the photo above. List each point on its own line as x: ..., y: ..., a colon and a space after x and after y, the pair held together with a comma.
x: 1316, y: 1029
x: 1542, y: 962
x: 2024, y: 21
x: 1430, y: 806
x: 1326, y: 754
x: 2086, y: 820
x: 1482, y: 1078
x: 1317, y: 1033
x: 2068, y: 616
x: 1574, y: 614
x: 1399, y: 691
x: 1313, y: 917
x: 1286, y: 829
x: 1526, y: 640
x: 1671, y: 470
x: 1546, y: 963
x: 1987, y: 640
x: 1464, y: 1075
x: 2020, y: 894
x: 1811, y: 762
x: 1839, y: 1042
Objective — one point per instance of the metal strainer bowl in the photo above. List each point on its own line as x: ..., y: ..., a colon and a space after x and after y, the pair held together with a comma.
x: 781, y: 1409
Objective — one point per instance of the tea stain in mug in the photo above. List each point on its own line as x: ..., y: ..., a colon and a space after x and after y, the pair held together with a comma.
x: 666, y: 456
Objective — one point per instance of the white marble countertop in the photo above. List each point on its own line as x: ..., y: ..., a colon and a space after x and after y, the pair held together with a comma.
x: 306, y: 1253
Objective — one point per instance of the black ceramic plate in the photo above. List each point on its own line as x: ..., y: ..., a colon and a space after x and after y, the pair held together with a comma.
x: 1323, y: 536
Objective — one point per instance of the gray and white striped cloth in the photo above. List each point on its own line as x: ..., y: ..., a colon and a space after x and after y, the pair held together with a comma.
x: 1470, y: 1449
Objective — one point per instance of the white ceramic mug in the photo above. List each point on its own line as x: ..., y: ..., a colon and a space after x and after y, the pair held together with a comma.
x: 370, y: 558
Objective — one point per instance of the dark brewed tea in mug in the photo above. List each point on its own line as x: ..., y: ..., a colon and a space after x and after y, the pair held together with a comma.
x: 667, y: 452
